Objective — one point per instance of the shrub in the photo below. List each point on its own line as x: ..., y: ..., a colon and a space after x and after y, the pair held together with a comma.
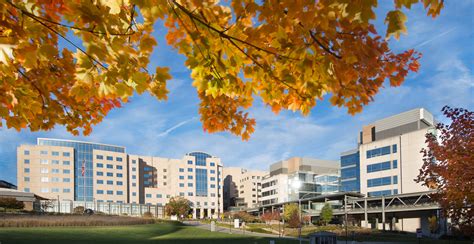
x: 294, y: 220
x: 245, y: 217
x: 78, y: 210
x: 11, y: 203
x: 269, y: 216
x: 147, y: 215
x: 68, y: 220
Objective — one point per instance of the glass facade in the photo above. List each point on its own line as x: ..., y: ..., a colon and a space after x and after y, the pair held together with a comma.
x: 201, y: 182
x: 350, y: 172
x: 82, y: 153
x: 200, y: 158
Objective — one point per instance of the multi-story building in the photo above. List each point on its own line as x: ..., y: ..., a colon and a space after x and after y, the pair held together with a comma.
x: 242, y: 187
x: 294, y: 178
x: 388, y: 156
x: 84, y: 171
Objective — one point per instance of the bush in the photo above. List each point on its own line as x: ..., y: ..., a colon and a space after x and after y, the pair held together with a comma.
x: 290, y: 210
x: 245, y: 217
x: 294, y: 220
x: 68, y: 220
x: 147, y: 215
x: 78, y: 210
x: 11, y: 203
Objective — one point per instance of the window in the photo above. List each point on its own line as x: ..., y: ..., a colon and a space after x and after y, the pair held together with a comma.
x: 394, y: 148
x: 26, y: 152
x: 99, y: 157
x: 190, y: 194
x: 164, y: 170
x: 190, y: 177
x: 134, y: 184
x: 212, y: 164
x: 201, y: 182
x: 213, y: 171
x: 190, y: 169
x: 134, y: 194
x: 27, y: 189
x: 134, y: 169
x: 110, y: 182
x: 148, y: 195
x: 44, y: 190
x: 120, y: 175
x: 100, y: 182
x: 395, y: 164
x: 44, y: 152
x: 181, y: 184
x: 44, y: 161
x: 110, y: 192
x: 379, y: 193
x: 66, y: 163
x: 190, y: 184
x: 119, y: 183
x: 213, y: 178
x: 120, y: 193
x: 395, y: 179
x: 395, y: 191
x: 379, y: 181
x: 213, y: 194
x: 100, y: 165
x: 190, y: 162
x: 110, y: 166
x: 158, y: 196
x: 66, y: 180
x: 213, y: 186
x: 378, y: 152
x: 100, y: 192
x: 181, y: 194
x: 54, y: 161
x: 27, y: 161
x: 26, y: 179
x: 110, y: 158
x: 119, y: 167
x: 181, y: 177
x: 118, y: 159
x: 55, y: 153
x: 66, y: 171
x: 55, y: 179
x: 66, y: 190
x: 134, y: 161
x: 378, y: 167
x: 44, y: 170
x: 134, y: 177
x: 55, y: 190
x: 44, y: 179
x: 66, y: 154
x: 100, y: 173
x: 181, y: 170
x: 55, y: 171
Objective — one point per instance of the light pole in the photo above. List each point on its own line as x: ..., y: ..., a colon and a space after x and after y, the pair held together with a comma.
x: 300, y: 212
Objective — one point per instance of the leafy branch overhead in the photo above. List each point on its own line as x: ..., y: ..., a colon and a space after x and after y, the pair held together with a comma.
x: 71, y: 62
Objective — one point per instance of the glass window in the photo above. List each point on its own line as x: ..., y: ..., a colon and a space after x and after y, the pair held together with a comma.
x: 378, y: 152
x: 119, y: 167
x: 158, y: 196
x: 54, y: 161
x: 181, y: 177
x: 66, y: 190
x: 120, y: 175
x: 213, y: 186
x: 27, y: 161
x: 110, y: 166
x: 379, y: 181
x: 190, y: 177
x: 54, y: 179
x: 26, y: 152
x: 66, y: 180
x: 27, y: 189
x: 395, y: 191
x: 44, y: 190
x: 118, y: 159
x: 99, y: 157
x: 54, y: 189
x: 201, y: 182
x: 134, y: 177
x: 44, y: 170
x: 190, y: 194
x: 395, y: 179
x: 148, y: 195
x: 44, y: 152
x: 120, y: 193
x: 190, y: 169
x: 110, y: 182
x: 190, y: 184
x: 55, y: 171
x: 66, y: 163
x: 181, y: 170
x: 44, y: 161
x: 100, y: 182
x: 378, y: 167
x: 44, y: 179
x: 110, y: 174
x: 134, y: 161
x: 66, y: 171
x: 190, y: 162
x: 119, y: 183
x: 134, y: 184
x: 100, y: 173
x: 110, y: 158
x: 26, y: 179
x: 100, y: 165
x: 379, y: 193
x: 213, y: 178
x: 100, y: 192
x: 213, y: 171
x: 66, y: 154
x: 181, y: 194
x: 395, y: 164
x: 134, y: 194
x: 110, y: 192
x: 212, y: 164
x: 134, y: 169
x: 394, y: 148
x: 55, y: 153
x: 181, y: 184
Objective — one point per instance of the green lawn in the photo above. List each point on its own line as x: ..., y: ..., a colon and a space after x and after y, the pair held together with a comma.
x: 154, y: 233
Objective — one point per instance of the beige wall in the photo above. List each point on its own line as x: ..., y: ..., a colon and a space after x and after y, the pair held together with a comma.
x: 49, y: 175
x: 111, y: 188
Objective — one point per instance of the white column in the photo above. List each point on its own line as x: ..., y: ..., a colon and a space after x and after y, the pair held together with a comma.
x: 194, y: 213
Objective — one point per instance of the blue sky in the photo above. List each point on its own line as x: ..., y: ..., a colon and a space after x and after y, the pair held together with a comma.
x: 172, y: 128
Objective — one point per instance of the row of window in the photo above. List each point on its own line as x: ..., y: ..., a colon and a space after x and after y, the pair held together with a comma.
x: 46, y: 161
x: 383, y: 181
x: 109, y: 192
x: 382, y: 193
x: 109, y: 182
x: 168, y: 196
x: 46, y: 171
x: 109, y: 174
x: 382, y: 166
x: 381, y: 151
x: 109, y: 158
x: 53, y: 153
x: 181, y: 170
x: 109, y: 166
x: 47, y: 190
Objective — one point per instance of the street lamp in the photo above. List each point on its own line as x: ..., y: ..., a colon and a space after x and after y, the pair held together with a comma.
x: 296, y: 184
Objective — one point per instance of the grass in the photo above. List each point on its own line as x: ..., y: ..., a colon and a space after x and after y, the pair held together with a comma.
x: 173, y: 233
x: 68, y: 220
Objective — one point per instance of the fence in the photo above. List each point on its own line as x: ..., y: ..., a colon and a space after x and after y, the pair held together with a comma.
x: 109, y: 208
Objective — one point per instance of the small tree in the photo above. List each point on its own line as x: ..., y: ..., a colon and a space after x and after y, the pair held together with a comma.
x: 326, y: 213
x: 290, y: 210
x: 11, y: 203
x: 78, y: 210
x: 245, y: 217
x: 433, y: 224
x: 294, y: 220
x: 45, y: 205
x: 178, y: 206
x: 268, y: 216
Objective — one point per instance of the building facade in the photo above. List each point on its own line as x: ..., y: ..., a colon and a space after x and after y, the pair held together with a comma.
x: 297, y: 177
x: 84, y: 171
x: 350, y: 171
x: 242, y: 187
